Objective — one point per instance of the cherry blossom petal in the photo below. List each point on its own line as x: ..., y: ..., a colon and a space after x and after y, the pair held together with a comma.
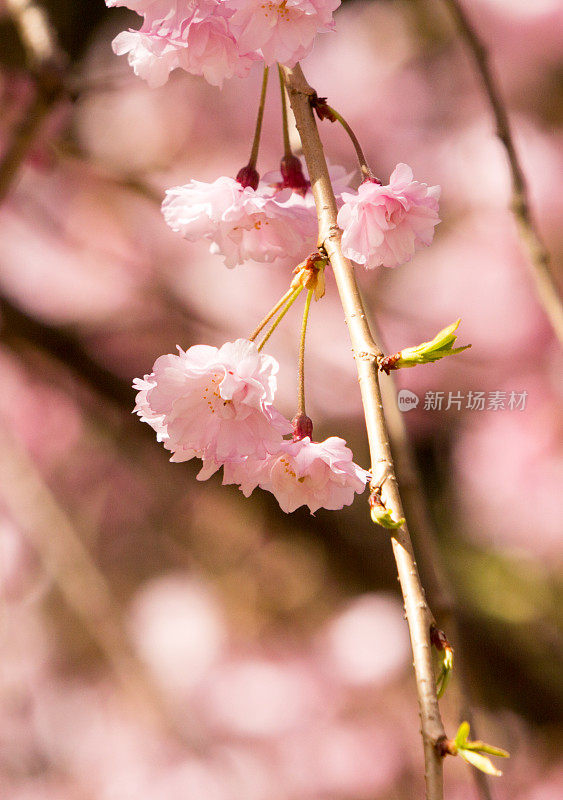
x: 215, y: 404
x: 280, y: 30
x: 384, y: 225
x: 242, y: 223
x: 315, y: 474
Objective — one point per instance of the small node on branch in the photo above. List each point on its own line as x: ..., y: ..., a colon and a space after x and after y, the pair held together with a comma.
x: 322, y: 108
x: 445, y: 747
x: 387, y: 363
x: 440, y: 641
x: 310, y: 274
x: 438, y: 638
x: 380, y: 514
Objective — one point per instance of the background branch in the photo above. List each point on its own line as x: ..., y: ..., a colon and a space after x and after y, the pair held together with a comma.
x: 47, y: 64
x: 538, y: 256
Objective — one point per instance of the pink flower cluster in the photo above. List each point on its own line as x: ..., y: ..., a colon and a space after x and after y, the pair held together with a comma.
x: 219, y: 38
x: 242, y: 223
x: 384, y: 225
x: 217, y: 405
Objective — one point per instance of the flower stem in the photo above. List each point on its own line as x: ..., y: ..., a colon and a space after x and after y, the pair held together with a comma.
x: 258, y: 130
x: 292, y: 298
x: 301, y: 371
x: 329, y: 112
x: 262, y: 324
x: 285, y: 124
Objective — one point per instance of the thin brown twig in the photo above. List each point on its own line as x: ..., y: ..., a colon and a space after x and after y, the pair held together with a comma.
x: 538, y: 255
x: 287, y: 151
x: 366, y: 353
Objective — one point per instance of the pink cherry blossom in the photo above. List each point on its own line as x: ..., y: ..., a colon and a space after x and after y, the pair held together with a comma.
x: 213, y: 52
x: 242, y: 223
x: 151, y: 57
x: 280, y: 30
x: 212, y: 403
x: 197, y: 209
x: 384, y: 225
x: 314, y: 474
x: 194, y: 36
x: 246, y: 474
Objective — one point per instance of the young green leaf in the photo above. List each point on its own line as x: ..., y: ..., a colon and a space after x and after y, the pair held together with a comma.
x: 472, y: 751
x: 383, y: 516
x: 461, y: 735
x: 438, y: 347
x: 481, y: 762
x: 445, y: 673
x: 482, y: 747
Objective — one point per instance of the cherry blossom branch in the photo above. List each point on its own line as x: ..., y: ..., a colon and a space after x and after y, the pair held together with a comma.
x: 47, y: 63
x: 538, y: 255
x: 436, y: 579
x: 437, y: 585
x: 366, y: 354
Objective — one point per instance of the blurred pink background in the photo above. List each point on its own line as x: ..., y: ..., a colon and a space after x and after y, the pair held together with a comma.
x: 165, y: 639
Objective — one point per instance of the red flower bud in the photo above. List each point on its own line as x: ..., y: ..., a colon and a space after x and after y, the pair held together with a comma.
x: 292, y: 175
x: 248, y: 176
x: 302, y: 427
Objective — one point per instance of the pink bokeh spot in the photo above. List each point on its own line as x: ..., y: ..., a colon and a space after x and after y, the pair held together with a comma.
x: 367, y: 642
x: 261, y: 698
x: 178, y: 630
